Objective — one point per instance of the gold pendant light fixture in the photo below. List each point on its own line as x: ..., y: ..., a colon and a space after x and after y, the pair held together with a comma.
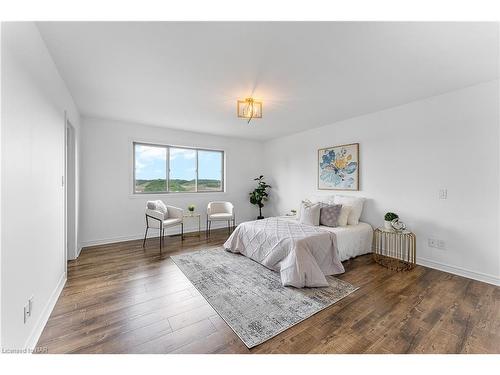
x: 249, y: 109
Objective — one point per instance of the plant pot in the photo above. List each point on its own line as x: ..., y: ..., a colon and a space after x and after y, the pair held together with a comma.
x: 387, y: 224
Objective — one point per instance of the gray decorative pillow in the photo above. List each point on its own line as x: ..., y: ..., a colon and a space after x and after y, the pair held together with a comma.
x: 329, y: 215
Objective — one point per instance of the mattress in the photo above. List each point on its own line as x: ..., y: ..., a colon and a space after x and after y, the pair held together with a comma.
x: 352, y: 240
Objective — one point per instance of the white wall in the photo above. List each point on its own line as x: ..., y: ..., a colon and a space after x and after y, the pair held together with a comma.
x: 34, y: 100
x: 110, y: 212
x: 407, y: 154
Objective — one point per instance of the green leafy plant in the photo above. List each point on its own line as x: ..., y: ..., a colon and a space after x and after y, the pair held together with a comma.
x: 191, y: 207
x: 260, y: 194
x: 390, y: 216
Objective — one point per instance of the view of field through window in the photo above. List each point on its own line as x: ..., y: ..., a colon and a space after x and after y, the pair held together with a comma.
x: 151, y: 169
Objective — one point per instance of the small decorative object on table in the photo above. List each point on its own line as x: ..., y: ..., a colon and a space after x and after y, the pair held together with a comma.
x: 191, y: 208
x: 398, y: 225
x: 394, y: 249
x: 388, y: 218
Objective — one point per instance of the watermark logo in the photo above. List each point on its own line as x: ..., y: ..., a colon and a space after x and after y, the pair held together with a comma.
x: 36, y: 350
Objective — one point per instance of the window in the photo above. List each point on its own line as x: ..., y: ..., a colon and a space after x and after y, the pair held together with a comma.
x: 210, y: 170
x: 150, y: 169
x: 166, y: 169
x: 182, y: 170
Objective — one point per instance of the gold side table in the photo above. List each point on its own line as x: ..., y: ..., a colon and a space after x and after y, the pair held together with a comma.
x: 193, y: 215
x: 393, y: 249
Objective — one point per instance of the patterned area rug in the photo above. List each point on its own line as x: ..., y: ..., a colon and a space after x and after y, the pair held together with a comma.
x: 250, y: 297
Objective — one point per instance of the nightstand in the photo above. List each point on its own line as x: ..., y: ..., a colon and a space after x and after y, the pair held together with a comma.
x: 193, y: 215
x: 394, y: 249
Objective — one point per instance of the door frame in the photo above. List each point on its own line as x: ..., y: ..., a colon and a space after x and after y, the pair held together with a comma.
x: 69, y: 183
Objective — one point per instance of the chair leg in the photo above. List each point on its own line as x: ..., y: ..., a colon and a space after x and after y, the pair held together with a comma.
x: 182, y: 231
x: 145, y: 235
x: 229, y: 226
x: 161, y: 237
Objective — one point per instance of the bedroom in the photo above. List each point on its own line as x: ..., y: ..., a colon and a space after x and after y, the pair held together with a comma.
x: 250, y: 187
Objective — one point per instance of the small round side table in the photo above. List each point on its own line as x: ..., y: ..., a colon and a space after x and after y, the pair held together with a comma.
x: 194, y: 215
x: 394, y: 249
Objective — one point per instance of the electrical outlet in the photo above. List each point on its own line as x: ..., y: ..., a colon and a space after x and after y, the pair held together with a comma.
x: 438, y: 244
x: 443, y: 193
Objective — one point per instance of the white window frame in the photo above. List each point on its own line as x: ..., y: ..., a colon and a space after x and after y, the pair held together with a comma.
x: 167, y: 180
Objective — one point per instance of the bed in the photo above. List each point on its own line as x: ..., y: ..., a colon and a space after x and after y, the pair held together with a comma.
x: 302, y: 254
x: 352, y: 240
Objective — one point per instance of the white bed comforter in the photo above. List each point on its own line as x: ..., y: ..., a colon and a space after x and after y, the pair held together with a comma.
x: 302, y: 254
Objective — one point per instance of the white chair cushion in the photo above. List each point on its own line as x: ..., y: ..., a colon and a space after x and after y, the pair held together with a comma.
x: 170, y: 222
x: 220, y: 216
x: 166, y: 223
x: 356, y: 204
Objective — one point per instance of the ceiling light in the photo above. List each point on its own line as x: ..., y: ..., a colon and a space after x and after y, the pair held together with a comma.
x: 249, y: 109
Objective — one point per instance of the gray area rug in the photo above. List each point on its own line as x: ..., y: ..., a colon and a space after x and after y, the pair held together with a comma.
x: 250, y: 297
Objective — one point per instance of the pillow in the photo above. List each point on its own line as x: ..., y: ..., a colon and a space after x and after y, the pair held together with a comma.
x: 344, y: 214
x: 329, y: 215
x: 356, y: 204
x: 326, y: 199
x: 309, y: 213
x: 158, y: 206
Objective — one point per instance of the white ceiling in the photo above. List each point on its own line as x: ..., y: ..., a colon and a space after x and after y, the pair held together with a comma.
x: 188, y: 75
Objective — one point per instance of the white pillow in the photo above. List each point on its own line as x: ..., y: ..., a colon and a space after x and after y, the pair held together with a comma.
x: 326, y: 199
x: 158, y: 206
x: 309, y: 213
x: 344, y: 214
x: 356, y: 204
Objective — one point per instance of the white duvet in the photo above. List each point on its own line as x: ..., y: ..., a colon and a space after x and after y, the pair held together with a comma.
x: 352, y: 240
x: 302, y: 254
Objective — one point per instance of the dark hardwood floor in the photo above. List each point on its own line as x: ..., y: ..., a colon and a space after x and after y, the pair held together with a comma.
x: 121, y: 299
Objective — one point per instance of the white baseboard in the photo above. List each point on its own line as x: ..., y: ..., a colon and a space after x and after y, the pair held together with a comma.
x: 486, y: 278
x: 152, y: 233
x: 44, y: 316
x: 79, y: 250
x: 109, y: 240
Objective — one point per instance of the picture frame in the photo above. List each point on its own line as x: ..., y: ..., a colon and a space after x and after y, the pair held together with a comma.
x: 338, y: 167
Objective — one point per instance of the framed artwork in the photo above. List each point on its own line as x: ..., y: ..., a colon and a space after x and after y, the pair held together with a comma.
x: 338, y: 167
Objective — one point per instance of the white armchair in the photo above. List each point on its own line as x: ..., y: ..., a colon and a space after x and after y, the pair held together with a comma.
x: 220, y: 211
x: 161, y: 217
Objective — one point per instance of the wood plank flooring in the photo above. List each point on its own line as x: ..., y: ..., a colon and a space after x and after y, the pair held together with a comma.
x: 122, y: 299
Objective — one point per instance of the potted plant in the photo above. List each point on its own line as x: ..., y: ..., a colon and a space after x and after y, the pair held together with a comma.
x: 260, y: 194
x: 389, y: 216
x: 191, y: 208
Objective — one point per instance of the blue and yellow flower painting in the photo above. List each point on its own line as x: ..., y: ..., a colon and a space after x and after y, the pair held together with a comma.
x: 339, y: 167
